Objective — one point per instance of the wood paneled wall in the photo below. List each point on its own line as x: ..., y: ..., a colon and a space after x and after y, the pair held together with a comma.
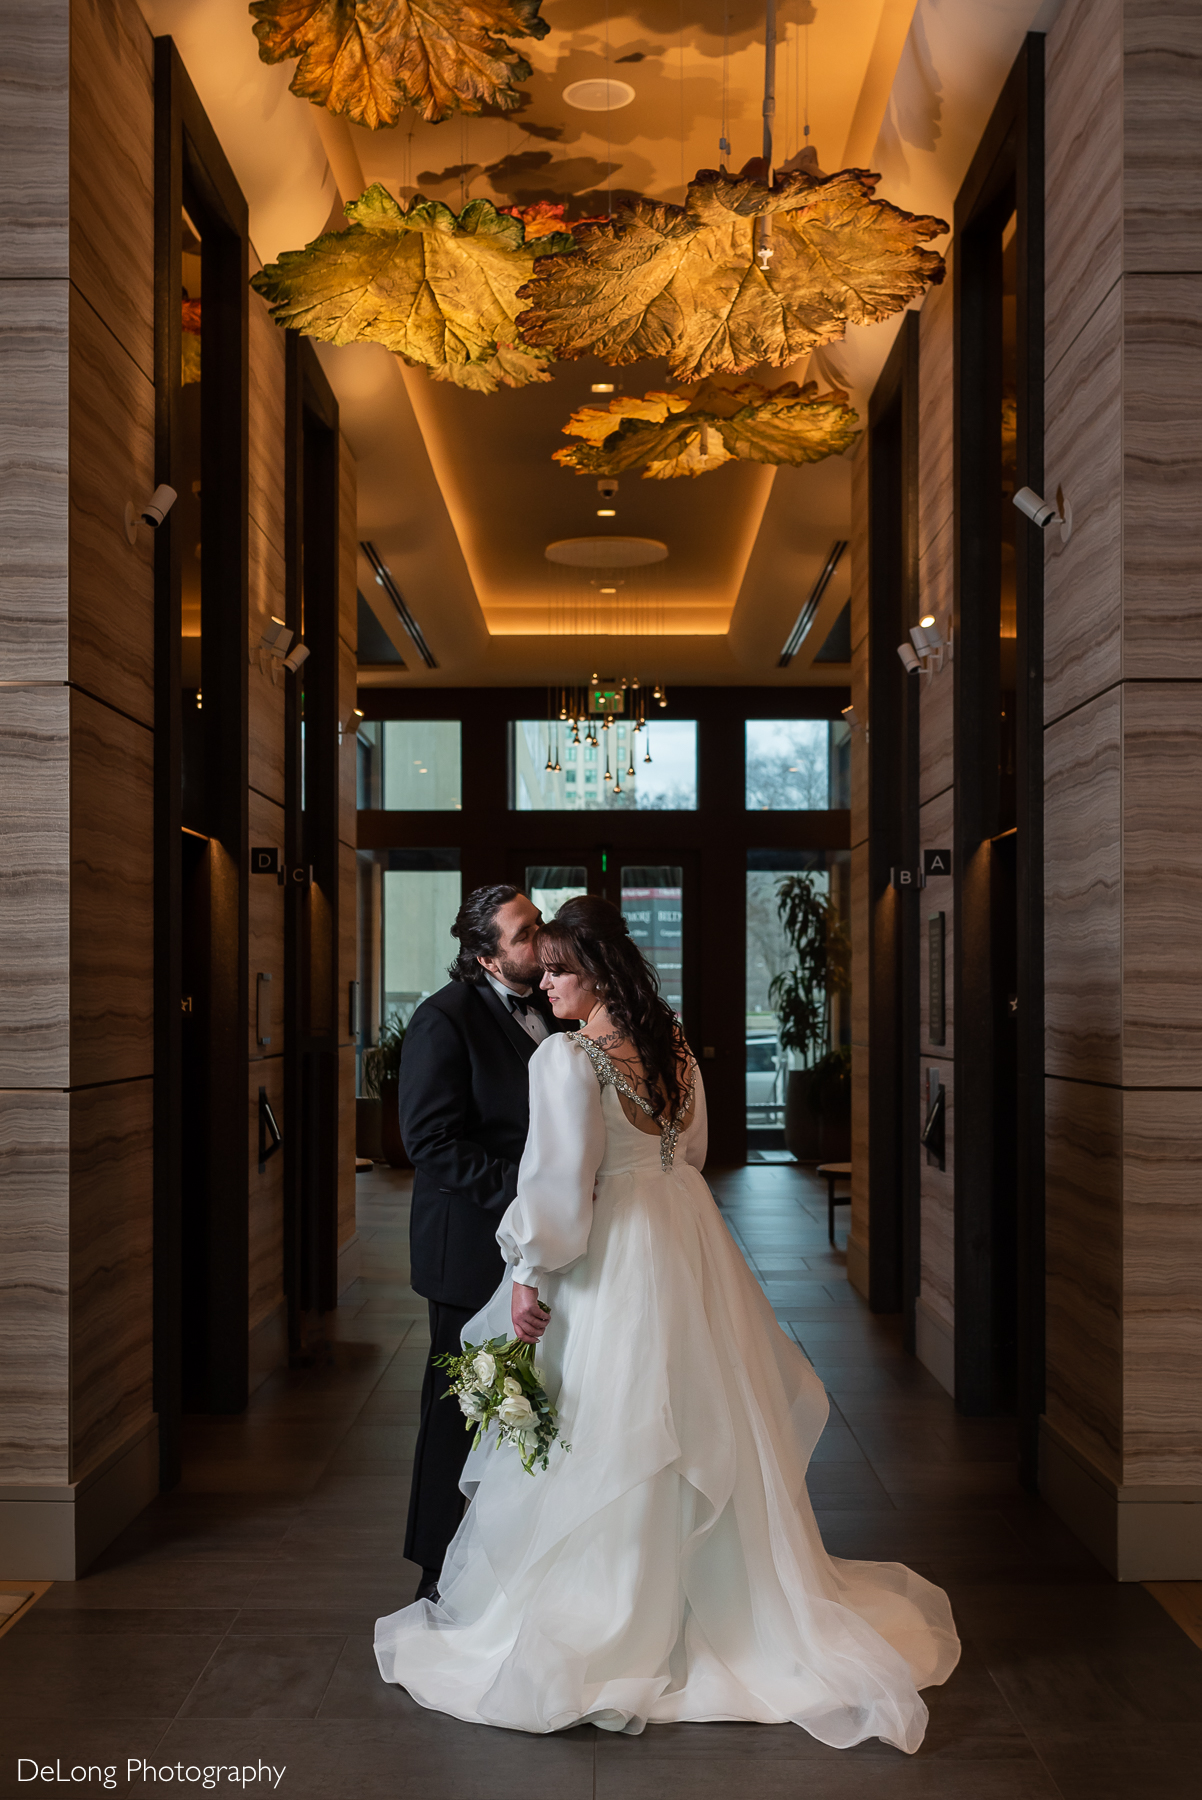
x: 1123, y: 736
x: 77, y: 430
x: 76, y: 616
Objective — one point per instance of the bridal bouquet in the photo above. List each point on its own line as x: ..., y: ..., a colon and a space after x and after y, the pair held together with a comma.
x: 497, y: 1384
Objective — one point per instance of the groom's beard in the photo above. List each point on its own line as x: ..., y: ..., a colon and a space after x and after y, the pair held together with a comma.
x: 519, y: 974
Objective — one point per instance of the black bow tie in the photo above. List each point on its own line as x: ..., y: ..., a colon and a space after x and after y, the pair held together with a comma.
x: 523, y: 1004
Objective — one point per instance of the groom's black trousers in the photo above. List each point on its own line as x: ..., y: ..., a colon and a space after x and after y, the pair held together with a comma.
x: 443, y: 1441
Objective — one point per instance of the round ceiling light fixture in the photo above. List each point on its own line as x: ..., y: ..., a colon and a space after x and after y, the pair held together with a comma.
x: 598, y: 94
x: 606, y: 552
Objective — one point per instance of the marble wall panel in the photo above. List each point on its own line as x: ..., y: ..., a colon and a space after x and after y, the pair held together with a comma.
x: 265, y: 1211
x: 348, y: 547
x: 112, y: 461
x: 1162, y: 884
x: 1162, y: 473
x: 859, y: 1145
x: 1162, y: 135
x: 861, y: 928
x: 1083, y: 455
x: 937, y: 692
x: 35, y: 80
x: 34, y: 440
x: 266, y: 446
x: 1162, y: 1288
x: 937, y: 1204
x: 348, y: 935
x: 1083, y: 928
x: 35, y: 875
x: 346, y: 1143
x: 936, y: 831
x: 112, y: 170
x: 265, y: 697
x: 112, y: 1293
x: 1083, y: 169
x: 112, y: 894
x: 348, y: 753
x: 1085, y: 1269
x: 265, y: 921
x: 35, y: 1334
x: 936, y: 416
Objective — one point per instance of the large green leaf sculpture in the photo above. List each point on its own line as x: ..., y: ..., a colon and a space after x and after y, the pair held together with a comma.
x: 438, y: 288
x: 689, y: 283
x: 688, y: 433
x: 370, y: 59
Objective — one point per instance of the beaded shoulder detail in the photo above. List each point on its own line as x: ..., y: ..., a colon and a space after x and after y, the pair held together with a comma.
x: 609, y: 1075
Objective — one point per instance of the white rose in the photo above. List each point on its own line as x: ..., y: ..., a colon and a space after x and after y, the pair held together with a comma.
x: 486, y: 1369
x: 472, y: 1406
x: 518, y: 1412
x: 512, y: 1388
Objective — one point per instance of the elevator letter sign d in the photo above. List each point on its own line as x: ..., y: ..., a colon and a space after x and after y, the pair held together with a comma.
x: 264, y: 859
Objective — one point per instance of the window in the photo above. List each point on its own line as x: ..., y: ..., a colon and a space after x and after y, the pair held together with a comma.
x: 797, y: 765
x: 549, y: 887
x: 769, y: 954
x: 653, y: 770
x: 651, y: 906
x: 410, y: 765
x: 420, y: 897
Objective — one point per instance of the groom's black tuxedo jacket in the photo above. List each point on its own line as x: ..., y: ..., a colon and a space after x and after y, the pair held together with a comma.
x: 465, y: 1110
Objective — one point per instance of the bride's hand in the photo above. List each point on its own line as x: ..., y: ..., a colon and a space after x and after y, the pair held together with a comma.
x: 529, y: 1315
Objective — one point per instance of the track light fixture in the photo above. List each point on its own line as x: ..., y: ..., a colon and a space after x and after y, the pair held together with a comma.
x: 1043, y: 512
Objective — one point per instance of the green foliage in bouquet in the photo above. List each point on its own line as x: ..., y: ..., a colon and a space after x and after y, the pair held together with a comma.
x: 497, y: 1384
x: 382, y: 1062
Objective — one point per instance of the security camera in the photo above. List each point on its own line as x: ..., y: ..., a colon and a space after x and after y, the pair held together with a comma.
x: 910, y: 662
x: 1043, y: 512
x: 607, y: 487
x: 152, y: 512
x: 158, y: 506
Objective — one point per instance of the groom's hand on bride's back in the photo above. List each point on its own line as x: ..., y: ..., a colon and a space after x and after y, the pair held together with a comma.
x: 529, y: 1314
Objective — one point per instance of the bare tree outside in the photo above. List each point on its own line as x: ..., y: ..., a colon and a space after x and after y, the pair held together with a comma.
x: 788, y: 765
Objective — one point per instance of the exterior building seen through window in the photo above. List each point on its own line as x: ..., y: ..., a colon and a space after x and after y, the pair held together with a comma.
x: 652, y: 907
x: 797, y: 765
x: 410, y: 765
x: 652, y: 770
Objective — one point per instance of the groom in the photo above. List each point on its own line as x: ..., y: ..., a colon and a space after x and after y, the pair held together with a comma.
x: 465, y: 1111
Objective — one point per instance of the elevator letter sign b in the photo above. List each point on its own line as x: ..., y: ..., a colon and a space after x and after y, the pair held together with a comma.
x: 907, y: 879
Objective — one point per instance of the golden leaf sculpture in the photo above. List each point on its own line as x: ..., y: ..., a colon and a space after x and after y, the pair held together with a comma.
x: 682, y: 282
x: 438, y: 288
x: 687, y: 433
x: 370, y: 59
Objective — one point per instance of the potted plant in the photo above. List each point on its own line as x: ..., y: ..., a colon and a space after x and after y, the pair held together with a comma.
x: 381, y: 1075
x: 818, y: 1095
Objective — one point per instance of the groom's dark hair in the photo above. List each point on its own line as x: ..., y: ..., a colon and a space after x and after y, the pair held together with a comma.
x: 477, y: 929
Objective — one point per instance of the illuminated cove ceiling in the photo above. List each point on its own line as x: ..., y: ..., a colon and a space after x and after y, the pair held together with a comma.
x: 458, y: 490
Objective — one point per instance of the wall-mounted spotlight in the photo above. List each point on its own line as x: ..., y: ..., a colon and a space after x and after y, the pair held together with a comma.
x: 152, y: 512
x: 352, y: 723
x: 925, y: 651
x: 1043, y: 512
x: 296, y: 656
x: 910, y: 662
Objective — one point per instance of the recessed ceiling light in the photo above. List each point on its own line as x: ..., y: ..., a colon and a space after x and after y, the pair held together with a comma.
x: 607, y: 590
x: 598, y: 95
x: 606, y: 553
x: 602, y: 387
x: 607, y: 512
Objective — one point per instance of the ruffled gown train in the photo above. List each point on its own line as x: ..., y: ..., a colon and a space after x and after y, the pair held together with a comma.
x: 667, y: 1567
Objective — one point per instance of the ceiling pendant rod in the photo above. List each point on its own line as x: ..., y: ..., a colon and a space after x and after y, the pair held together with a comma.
x: 762, y: 234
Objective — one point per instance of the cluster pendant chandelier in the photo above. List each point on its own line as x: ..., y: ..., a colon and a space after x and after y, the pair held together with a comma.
x: 587, y: 716
x: 754, y: 269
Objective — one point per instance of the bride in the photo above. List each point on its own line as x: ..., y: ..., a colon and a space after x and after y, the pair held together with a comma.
x: 668, y: 1566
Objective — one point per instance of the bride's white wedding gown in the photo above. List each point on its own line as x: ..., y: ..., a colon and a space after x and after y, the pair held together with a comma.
x: 669, y: 1566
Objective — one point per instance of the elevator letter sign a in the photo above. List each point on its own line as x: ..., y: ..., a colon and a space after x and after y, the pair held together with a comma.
x: 936, y: 863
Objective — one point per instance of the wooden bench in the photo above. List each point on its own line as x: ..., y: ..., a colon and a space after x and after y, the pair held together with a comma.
x: 834, y: 1172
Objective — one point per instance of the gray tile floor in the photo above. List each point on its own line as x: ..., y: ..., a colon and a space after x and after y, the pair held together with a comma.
x: 231, y: 1624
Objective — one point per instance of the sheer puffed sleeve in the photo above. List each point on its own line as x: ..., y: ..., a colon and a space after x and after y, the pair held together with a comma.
x: 695, y: 1141
x: 547, y: 1226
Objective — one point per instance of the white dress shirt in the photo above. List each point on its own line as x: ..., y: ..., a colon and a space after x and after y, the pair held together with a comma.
x: 532, y: 1021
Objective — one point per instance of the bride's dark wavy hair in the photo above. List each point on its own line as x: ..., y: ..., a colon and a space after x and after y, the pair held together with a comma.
x: 589, y: 937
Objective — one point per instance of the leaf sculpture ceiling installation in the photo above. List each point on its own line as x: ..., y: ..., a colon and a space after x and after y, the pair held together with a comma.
x: 439, y: 288
x: 688, y: 433
x: 370, y: 59
x: 686, y: 283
